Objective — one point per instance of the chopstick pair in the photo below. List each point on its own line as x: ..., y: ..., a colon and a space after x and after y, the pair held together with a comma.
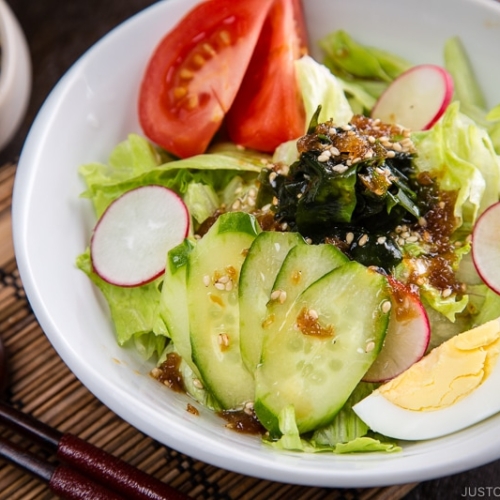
x: 85, y: 471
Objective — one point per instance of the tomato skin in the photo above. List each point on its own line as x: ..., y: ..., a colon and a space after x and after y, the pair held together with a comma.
x: 268, y: 109
x: 195, y: 72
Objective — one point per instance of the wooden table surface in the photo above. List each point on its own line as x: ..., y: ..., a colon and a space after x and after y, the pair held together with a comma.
x: 58, y: 32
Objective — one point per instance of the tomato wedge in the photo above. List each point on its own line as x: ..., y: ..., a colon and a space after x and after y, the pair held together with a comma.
x: 268, y: 109
x: 195, y: 72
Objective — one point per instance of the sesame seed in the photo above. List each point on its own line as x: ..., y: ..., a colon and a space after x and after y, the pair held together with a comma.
x: 370, y: 346
x: 360, y: 350
x: 313, y: 314
x: 340, y: 168
x: 155, y: 372
x: 334, y: 151
x: 197, y: 383
x: 223, y: 279
x: 206, y: 280
x: 349, y: 238
x: 405, y: 235
x: 223, y: 339
x: 391, y: 154
x: 308, y: 241
x: 381, y: 240
x: 229, y: 286
x: 236, y: 205
x: 282, y: 296
x: 363, y: 240
x: 446, y: 293
x: 371, y: 139
x: 284, y: 226
x: 322, y: 157
x: 397, y: 147
x: 386, y: 306
x: 411, y: 239
x: 275, y: 294
x: 219, y: 286
x: 422, y: 222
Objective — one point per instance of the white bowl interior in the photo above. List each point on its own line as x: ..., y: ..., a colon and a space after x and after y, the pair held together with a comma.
x: 90, y: 111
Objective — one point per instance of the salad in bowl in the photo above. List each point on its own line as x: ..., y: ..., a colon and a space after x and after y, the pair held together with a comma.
x: 294, y: 239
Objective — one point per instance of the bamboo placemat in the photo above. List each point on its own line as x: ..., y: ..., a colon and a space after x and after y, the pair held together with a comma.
x: 40, y: 384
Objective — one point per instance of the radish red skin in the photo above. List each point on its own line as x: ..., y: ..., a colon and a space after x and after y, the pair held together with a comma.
x: 486, y: 247
x: 107, y: 249
x: 417, y: 107
x: 409, y: 333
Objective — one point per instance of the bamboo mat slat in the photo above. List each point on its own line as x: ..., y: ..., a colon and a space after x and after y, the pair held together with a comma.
x: 40, y: 384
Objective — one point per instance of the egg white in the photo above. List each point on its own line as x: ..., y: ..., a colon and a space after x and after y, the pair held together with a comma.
x: 396, y: 422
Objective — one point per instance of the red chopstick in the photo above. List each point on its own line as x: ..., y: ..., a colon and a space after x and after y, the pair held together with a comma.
x: 83, y: 460
x: 63, y: 481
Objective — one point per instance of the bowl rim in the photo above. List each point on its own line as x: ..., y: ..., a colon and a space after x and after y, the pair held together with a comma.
x: 268, y: 468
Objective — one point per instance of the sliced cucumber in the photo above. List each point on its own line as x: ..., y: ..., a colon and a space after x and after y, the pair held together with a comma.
x: 258, y: 273
x: 213, y: 272
x: 174, y: 303
x: 303, y: 265
x: 331, y: 336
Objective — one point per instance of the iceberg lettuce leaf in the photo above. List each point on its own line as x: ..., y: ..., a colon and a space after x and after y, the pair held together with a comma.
x: 133, y: 167
x: 318, y: 86
x: 461, y: 156
x: 134, y: 311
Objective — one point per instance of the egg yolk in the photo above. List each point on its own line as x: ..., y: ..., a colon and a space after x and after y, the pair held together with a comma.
x: 449, y: 372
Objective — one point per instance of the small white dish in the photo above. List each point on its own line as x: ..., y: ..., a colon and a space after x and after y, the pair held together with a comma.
x: 88, y: 113
x: 15, y: 74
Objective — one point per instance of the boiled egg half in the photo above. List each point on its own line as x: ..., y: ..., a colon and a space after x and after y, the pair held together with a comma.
x: 454, y: 386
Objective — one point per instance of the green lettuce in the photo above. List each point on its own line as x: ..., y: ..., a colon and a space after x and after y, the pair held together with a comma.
x: 318, y: 86
x: 363, y: 71
x: 134, y: 311
x: 358, y: 442
x: 461, y: 156
x: 135, y: 163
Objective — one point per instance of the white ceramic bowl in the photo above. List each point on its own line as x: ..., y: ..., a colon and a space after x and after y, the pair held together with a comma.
x: 15, y: 74
x: 90, y: 111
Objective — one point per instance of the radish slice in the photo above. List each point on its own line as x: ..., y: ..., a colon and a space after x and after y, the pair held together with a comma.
x: 417, y: 98
x: 131, y: 239
x: 486, y: 247
x: 407, y: 338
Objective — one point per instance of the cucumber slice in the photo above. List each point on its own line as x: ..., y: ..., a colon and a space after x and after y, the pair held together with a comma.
x: 258, y: 273
x: 331, y: 336
x: 174, y: 302
x: 213, y: 272
x: 303, y: 265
